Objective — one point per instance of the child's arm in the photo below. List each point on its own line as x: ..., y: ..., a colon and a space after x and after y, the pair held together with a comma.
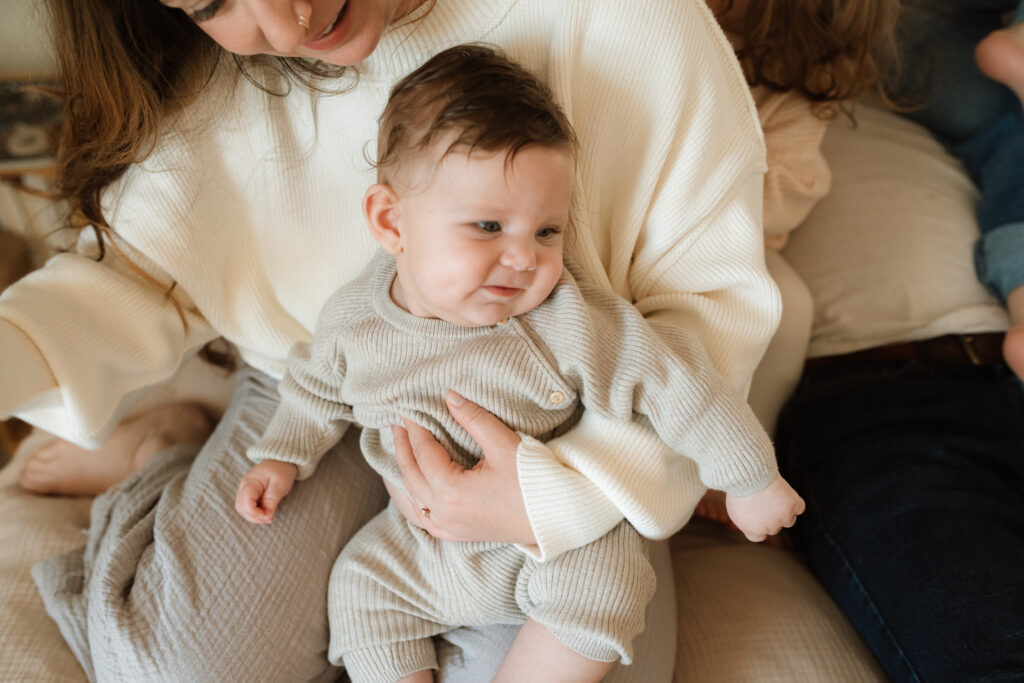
x: 311, y: 417
x: 798, y: 175
x: 623, y: 364
x: 262, y: 489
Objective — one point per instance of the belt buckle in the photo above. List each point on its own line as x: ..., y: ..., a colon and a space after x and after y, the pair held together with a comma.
x: 967, y: 342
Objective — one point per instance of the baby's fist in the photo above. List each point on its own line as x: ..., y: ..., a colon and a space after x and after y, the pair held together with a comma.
x: 766, y: 512
x: 262, y: 488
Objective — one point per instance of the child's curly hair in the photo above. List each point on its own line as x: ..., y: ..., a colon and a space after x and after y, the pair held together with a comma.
x: 830, y: 51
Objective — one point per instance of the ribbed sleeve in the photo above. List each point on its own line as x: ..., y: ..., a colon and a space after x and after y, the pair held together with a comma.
x: 75, y: 312
x: 625, y: 365
x: 23, y: 368
x: 313, y: 414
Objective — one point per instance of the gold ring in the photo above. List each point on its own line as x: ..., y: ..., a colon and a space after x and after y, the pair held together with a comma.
x: 303, y: 22
x: 425, y: 512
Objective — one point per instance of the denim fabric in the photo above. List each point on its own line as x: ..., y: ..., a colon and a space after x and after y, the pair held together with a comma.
x: 999, y: 258
x: 979, y: 121
x: 914, y: 482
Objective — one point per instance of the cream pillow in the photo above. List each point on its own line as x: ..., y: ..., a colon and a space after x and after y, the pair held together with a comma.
x: 887, y: 253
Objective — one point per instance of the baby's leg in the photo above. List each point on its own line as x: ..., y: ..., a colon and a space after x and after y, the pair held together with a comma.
x: 60, y: 467
x: 591, y: 600
x: 1000, y: 56
x: 383, y: 600
x: 537, y: 655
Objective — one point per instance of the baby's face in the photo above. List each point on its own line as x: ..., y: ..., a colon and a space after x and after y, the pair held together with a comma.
x: 483, y: 241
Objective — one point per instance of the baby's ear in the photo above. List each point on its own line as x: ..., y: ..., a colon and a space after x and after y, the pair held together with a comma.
x: 380, y: 206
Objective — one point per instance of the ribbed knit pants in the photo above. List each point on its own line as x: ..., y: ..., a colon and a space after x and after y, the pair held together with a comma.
x: 394, y: 587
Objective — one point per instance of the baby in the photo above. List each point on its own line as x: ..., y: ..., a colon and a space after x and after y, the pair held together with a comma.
x: 476, y: 168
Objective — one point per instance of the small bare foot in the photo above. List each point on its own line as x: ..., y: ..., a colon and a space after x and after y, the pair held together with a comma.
x: 712, y: 507
x: 1013, y: 349
x: 60, y: 467
x: 1000, y: 56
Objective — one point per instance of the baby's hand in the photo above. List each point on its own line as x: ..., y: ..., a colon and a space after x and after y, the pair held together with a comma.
x: 262, y: 489
x: 766, y: 512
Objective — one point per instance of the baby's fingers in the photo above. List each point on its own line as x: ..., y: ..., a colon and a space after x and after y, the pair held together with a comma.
x: 276, y: 491
x: 248, y: 499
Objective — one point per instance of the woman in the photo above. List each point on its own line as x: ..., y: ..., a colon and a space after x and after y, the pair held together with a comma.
x: 229, y: 207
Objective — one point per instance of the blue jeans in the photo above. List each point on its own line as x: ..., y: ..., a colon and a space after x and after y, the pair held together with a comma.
x: 914, y: 482
x: 980, y: 121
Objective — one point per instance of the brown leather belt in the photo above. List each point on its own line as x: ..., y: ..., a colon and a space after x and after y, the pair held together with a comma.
x: 974, y: 349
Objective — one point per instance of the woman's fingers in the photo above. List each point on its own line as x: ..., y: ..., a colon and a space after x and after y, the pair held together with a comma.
x: 409, y: 508
x: 451, y: 502
x: 492, y: 435
x: 412, y: 475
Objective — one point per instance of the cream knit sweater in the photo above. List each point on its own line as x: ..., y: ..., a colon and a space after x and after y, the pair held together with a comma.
x: 250, y: 203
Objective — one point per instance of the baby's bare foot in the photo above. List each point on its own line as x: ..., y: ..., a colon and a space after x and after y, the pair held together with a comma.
x: 60, y: 467
x: 712, y: 507
x: 1000, y: 56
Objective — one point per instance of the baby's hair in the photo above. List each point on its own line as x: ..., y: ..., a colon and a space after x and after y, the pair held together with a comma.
x: 828, y: 50
x: 479, y: 96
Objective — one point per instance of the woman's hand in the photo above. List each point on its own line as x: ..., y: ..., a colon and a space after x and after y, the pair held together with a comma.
x: 455, y: 504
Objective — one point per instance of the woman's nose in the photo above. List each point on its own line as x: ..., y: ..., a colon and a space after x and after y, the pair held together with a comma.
x: 285, y: 25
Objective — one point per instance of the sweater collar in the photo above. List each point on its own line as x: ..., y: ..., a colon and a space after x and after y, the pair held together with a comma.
x: 430, y: 28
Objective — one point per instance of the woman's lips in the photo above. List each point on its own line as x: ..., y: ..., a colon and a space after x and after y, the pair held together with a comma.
x: 332, y: 34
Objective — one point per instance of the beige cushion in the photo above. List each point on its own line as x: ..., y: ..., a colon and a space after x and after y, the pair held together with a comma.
x: 747, y: 612
x: 33, y: 528
x: 888, y: 252
x: 753, y: 613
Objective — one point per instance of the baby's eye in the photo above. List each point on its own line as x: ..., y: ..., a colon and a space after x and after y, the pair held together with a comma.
x: 548, y: 232
x: 489, y: 226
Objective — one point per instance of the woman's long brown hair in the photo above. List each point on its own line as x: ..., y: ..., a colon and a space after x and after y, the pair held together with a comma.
x: 828, y: 50
x: 124, y: 66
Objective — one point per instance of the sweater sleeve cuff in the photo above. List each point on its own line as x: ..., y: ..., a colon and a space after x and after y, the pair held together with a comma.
x: 565, y: 509
x: 23, y: 368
